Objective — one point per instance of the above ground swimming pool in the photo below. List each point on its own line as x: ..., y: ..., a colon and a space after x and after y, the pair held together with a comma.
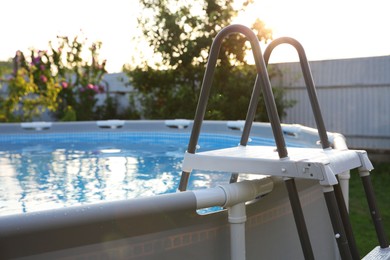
x: 43, y: 169
x: 91, y: 190
x: 306, y: 186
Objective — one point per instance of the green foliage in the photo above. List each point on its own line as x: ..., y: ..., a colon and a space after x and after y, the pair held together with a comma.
x: 5, y: 68
x: 57, y: 80
x: 164, y: 94
x: 80, y: 81
x: 229, y: 99
x: 30, y: 92
x: 69, y: 114
x: 181, y: 35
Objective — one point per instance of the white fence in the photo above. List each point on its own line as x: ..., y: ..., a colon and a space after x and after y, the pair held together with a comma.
x: 353, y: 94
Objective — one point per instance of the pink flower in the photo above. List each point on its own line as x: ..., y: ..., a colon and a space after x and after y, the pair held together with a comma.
x: 43, y: 78
x: 95, y: 88
x: 64, y: 84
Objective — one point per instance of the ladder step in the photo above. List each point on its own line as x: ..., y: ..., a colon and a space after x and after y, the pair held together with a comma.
x: 306, y: 163
x: 378, y: 253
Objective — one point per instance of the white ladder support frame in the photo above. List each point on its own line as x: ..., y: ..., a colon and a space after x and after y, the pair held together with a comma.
x: 306, y: 163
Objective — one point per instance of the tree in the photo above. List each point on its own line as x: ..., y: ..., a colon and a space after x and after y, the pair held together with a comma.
x: 181, y: 33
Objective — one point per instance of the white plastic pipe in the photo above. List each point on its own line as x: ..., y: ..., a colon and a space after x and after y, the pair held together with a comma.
x: 233, y: 196
x: 237, y: 219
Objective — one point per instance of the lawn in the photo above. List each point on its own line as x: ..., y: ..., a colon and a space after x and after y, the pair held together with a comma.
x: 363, y: 228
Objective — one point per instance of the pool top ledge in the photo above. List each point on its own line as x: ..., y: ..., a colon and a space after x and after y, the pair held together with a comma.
x: 293, y: 133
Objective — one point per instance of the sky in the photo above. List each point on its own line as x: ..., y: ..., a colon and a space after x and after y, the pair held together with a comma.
x: 331, y: 29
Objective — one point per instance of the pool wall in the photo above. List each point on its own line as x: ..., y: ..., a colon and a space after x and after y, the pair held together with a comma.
x: 167, y: 226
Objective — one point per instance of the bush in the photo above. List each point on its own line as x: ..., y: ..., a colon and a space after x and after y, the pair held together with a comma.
x: 57, y: 80
x: 174, y: 94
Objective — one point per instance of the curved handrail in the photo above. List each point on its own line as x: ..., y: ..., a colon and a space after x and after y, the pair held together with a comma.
x: 351, y: 251
x: 262, y: 81
x: 308, y: 80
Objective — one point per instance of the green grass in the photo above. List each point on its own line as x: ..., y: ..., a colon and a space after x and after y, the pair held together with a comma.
x: 362, y: 225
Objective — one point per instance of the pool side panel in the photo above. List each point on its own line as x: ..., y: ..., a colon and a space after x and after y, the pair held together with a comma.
x: 39, y: 232
x: 165, y: 227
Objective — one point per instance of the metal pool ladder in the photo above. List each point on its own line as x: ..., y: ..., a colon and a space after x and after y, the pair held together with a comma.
x: 323, y: 164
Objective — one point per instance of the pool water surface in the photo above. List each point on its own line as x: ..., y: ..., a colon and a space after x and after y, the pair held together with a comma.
x: 48, y: 171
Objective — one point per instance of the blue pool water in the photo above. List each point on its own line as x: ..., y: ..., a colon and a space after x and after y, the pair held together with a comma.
x: 45, y: 171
